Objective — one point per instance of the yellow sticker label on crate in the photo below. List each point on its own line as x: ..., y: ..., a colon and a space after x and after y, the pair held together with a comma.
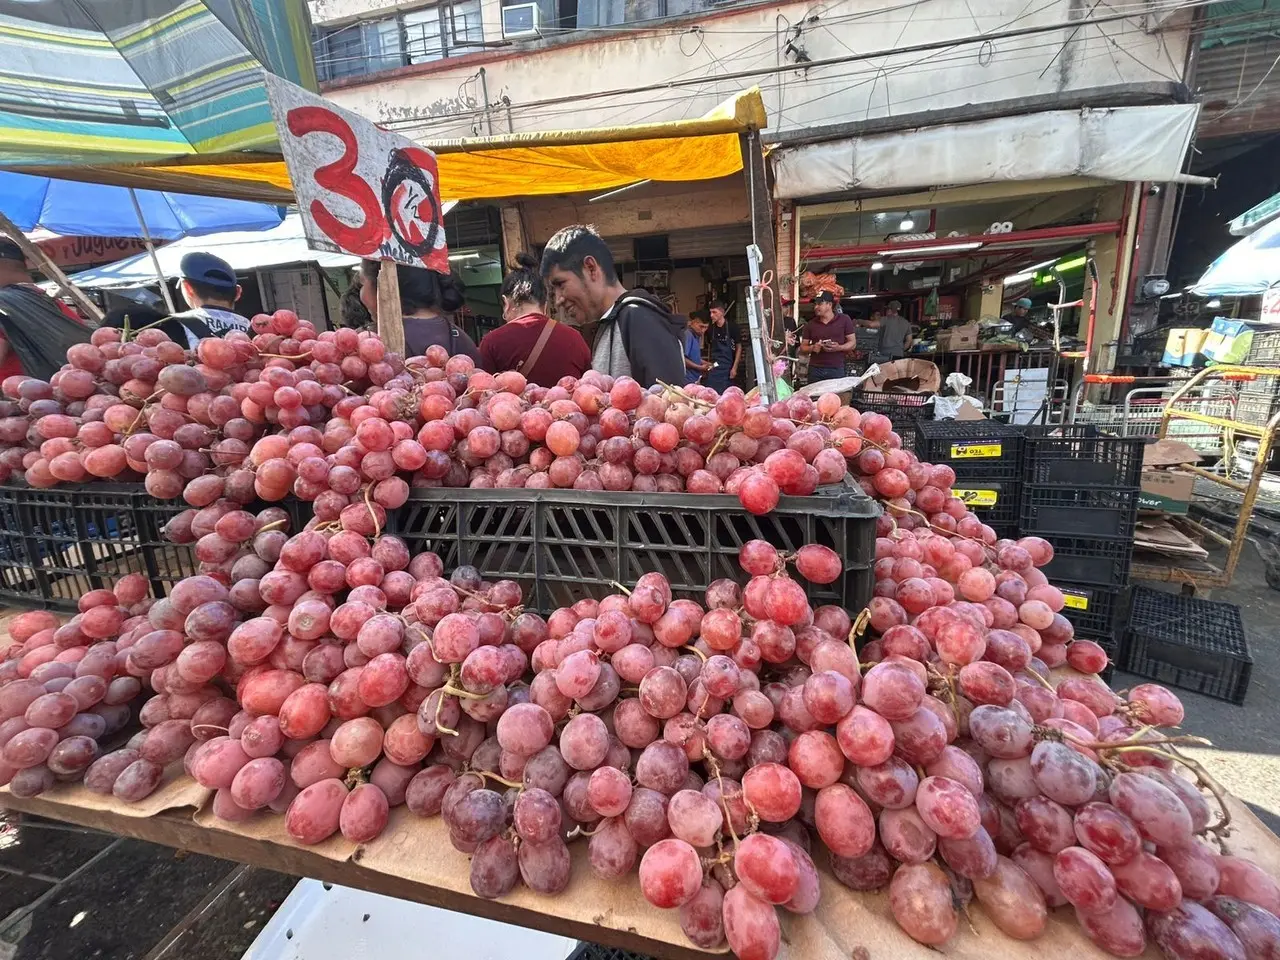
x: 977, y: 498
x: 975, y: 451
x: 1075, y: 601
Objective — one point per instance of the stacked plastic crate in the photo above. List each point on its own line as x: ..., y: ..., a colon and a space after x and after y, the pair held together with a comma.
x: 987, y: 459
x: 1080, y: 492
x: 1258, y: 399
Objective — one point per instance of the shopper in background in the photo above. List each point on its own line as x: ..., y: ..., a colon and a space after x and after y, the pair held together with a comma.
x: 895, y: 333
x: 724, y: 343
x: 828, y: 338
x: 35, y: 329
x: 427, y: 299
x: 694, y: 365
x: 354, y: 314
x: 637, y: 336
x: 529, y: 340
x: 209, y: 287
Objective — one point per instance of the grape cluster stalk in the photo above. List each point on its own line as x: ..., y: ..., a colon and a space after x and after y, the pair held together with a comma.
x: 719, y: 746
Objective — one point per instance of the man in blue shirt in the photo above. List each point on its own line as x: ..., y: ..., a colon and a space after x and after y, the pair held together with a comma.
x: 694, y: 367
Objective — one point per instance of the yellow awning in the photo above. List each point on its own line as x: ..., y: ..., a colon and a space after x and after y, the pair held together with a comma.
x: 487, y: 168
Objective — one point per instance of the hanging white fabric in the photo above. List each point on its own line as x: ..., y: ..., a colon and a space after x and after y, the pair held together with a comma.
x: 1112, y: 143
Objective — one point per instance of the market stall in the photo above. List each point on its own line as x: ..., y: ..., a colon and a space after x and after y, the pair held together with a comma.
x: 616, y: 660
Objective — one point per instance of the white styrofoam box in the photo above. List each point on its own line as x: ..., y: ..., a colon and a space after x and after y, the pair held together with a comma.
x: 326, y: 922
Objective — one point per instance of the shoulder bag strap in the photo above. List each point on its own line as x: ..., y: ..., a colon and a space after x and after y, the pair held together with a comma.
x: 529, y: 361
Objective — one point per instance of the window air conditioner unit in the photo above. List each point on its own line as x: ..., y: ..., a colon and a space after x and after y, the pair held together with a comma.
x: 521, y: 21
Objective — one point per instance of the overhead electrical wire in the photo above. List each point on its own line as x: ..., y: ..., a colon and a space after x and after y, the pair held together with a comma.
x: 765, y: 71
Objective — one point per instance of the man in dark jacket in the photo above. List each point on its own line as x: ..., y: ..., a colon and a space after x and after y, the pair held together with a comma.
x: 637, y: 336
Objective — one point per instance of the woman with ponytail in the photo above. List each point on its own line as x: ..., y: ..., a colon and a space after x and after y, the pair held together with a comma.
x: 529, y: 340
x: 427, y: 299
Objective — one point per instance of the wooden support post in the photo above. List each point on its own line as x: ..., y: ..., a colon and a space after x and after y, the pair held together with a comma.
x: 756, y: 172
x: 50, y: 269
x: 390, y: 320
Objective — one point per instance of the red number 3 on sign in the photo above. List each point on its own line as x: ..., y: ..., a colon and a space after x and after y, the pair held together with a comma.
x: 340, y: 178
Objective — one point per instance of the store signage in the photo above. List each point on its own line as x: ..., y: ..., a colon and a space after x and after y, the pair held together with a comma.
x: 977, y: 498
x: 360, y: 190
x: 1075, y: 601
x: 975, y: 451
x: 1271, y: 306
x: 80, y: 251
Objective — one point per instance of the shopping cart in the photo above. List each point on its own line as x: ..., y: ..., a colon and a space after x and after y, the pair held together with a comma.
x: 1142, y: 409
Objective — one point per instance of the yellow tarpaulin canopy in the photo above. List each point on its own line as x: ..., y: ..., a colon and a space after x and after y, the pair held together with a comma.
x: 487, y: 168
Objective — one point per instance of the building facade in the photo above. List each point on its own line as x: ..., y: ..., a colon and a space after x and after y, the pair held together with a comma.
x: 889, y: 122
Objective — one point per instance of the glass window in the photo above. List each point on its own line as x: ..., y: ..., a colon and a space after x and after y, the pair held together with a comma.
x: 466, y: 30
x: 418, y: 36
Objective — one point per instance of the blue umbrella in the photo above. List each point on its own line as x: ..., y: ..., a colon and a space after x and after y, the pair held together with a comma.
x: 73, y: 208
x: 1247, y: 269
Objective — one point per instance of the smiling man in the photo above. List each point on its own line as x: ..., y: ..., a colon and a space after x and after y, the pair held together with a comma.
x: 638, y: 336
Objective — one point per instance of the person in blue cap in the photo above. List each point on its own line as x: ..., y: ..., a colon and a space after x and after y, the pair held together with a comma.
x: 1020, y: 322
x: 209, y: 287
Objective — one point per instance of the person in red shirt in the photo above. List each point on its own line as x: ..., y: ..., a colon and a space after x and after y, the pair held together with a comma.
x: 14, y: 273
x: 528, y: 340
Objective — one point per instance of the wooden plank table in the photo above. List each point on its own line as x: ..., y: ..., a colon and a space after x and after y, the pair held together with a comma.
x: 413, y: 860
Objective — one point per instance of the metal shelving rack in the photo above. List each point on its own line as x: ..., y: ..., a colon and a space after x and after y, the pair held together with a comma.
x: 1207, y: 576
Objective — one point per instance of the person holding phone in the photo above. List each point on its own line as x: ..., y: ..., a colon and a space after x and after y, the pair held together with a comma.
x: 828, y: 338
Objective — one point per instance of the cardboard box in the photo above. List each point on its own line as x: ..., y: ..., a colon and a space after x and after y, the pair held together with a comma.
x: 1166, y: 491
x: 963, y: 337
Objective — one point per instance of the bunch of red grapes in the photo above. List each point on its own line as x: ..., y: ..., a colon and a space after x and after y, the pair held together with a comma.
x: 335, y: 418
x: 708, y: 743
x: 65, y: 687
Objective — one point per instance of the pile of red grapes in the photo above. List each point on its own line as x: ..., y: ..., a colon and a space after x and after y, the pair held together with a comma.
x: 715, y: 745
x: 335, y: 418
x: 65, y: 687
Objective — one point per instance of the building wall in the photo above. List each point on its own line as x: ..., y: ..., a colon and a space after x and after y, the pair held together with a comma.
x: 619, y: 75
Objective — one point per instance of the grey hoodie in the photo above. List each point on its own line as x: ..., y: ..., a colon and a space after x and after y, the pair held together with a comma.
x: 640, y: 338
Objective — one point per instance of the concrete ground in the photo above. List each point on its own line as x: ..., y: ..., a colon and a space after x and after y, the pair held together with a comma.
x: 1245, y: 756
x: 66, y: 891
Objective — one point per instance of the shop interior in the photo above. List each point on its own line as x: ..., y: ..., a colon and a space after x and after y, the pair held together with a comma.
x: 958, y: 265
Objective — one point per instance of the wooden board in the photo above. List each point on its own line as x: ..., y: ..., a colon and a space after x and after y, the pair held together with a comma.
x: 413, y: 860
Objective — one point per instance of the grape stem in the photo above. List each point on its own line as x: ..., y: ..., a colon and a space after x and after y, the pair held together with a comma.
x: 128, y: 334
x: 1222, y: 829
x: 692, y: 649
x: 728, y: 817
x: 502, y: 780
x: 1043, y: 682
x: 274, y: 525
x: 368, y: 502
x: 615, y: 583
x: 283, y: 356
x: 138, y: 419
x: 440, y: 727
x: 453, y: 691
x: 860, y: 623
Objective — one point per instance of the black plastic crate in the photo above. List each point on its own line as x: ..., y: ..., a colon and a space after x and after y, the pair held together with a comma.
x: 1095, y: 612
x: 902, y: 409
x: 1078, y: 512
x: 19, y: 580
x: 974, y: 449
x: 1080, y: 455
x: 1101, y: 562
x: 995, y: 503
x: 1192, y: 644
x: 60, y: 543
x: 563, y: 545
x: 1265, y: 350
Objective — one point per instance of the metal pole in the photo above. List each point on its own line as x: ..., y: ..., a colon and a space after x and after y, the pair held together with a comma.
x: 151, y: 249
x: 759, y: 354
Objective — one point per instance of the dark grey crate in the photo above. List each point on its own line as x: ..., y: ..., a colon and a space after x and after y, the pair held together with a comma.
x: 1081, y: 455
x: 974, y: 449
x: 1192, y: 644
x: 563, y: 545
